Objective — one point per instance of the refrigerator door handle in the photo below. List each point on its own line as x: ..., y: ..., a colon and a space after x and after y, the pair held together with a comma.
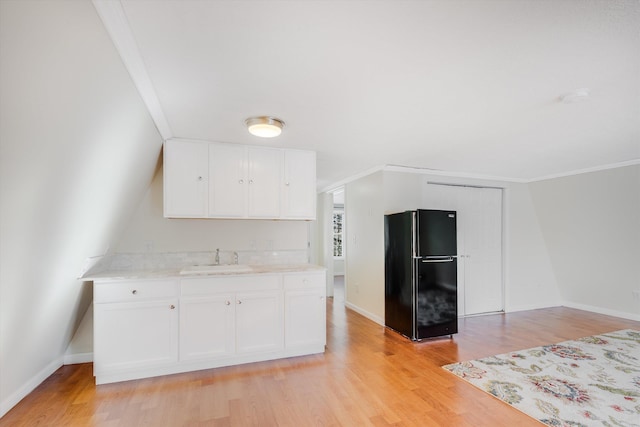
x: 450, y: 259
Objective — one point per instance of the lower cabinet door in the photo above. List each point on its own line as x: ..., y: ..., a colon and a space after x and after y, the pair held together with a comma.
x: 207, y: 327
x: 135, y: 335
x: 259, y: 322
x: 305, y: 318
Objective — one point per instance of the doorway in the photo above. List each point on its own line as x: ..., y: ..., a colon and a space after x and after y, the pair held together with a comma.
x: 338, y: 246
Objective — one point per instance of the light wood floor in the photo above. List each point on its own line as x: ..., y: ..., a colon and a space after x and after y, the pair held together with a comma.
x: 367, y: 377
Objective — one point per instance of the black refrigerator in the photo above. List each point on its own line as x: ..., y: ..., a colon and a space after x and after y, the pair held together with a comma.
x: 421, y: 291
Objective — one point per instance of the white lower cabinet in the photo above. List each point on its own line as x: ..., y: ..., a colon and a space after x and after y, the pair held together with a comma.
x: 135, y: 327
x: 305, y: 310
x: 157, y: 327
x: 207, y: 327
x: 216, y: 321
x: 259, y: 322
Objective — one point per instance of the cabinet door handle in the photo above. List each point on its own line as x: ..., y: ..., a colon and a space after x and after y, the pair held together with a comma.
x: 199, y: 178
x: 239, y: 302
x: 286, y: 183
x: 172, y: 307
x: 134, y: 292
x: 228, y: 303
x: 241, y: 181
x: 250, y: 181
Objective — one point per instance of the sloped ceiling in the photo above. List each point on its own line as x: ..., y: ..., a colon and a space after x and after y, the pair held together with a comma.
x: 459, y: 86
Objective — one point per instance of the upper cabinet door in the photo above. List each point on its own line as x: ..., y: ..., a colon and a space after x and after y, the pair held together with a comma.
x: 265, y: 174
x: 299, y: 185
x: 186, y: 173
x: 220, y: 180
x: 228, y: 180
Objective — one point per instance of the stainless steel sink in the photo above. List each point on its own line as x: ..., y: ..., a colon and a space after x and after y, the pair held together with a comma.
x: 213, y: 269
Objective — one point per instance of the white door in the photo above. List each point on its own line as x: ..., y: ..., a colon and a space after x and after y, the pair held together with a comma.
x: 186, y: 171
x: 207, y: 327
x: 228, y: 180
x: 299, y: 185
x: 265, y: 175
x: 305, y: 310
x: 259, y: 322
x: 479, y: 232
x: 305, y: 316
x: 135, y: 335
x: 482, y: 229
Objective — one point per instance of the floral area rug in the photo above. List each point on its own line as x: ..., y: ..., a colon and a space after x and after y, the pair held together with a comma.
x: 592, y: 381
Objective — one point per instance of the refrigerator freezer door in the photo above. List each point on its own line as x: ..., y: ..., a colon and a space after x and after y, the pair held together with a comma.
x: 436, y: 297
x: 436, y: 233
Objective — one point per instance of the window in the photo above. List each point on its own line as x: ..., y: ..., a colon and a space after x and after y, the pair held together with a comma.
x: 338, y: 233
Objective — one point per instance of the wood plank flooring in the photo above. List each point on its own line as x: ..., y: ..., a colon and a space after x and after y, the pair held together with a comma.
x: 368, y: 377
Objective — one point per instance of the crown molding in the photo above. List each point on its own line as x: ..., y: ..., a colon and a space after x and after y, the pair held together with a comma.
x: 435, y: 172
x: 416, y: 170
x: 587, y: 170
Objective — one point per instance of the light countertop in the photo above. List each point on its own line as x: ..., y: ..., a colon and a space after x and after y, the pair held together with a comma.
x: 193, y: 271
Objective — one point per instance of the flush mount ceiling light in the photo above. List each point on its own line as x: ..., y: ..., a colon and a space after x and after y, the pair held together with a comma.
x: 578, y: 95
x: 264, y: 126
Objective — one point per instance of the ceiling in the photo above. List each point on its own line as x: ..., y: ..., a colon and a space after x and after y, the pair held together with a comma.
x: 469, y: 87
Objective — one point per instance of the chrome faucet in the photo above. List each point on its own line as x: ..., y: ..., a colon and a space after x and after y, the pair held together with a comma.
x: 217, y: 256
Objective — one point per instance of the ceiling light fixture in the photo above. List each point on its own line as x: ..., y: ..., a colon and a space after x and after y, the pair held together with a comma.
x: 264, y: 126
x: 578, y: 95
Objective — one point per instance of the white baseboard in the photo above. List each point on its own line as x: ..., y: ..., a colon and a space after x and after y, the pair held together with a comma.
x: 379, y: 320
x: 72, y: 359
x: 600, y: 310
x: 29, y: 386
x: 515, y: 308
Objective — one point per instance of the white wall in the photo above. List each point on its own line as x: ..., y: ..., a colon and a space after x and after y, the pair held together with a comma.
x: 591, y: 226
x: 149, y: 231
x: 571, y: 241
x: 323, y: 227
x: 77, y: 151
x: 529, y: 281
x: 365, y: 246
x: 402, y: 192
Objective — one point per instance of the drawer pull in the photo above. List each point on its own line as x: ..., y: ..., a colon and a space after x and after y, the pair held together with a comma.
x: 172, y: 307
x: 228, y: 303
x: 134, y: 292
x: 239, y: 302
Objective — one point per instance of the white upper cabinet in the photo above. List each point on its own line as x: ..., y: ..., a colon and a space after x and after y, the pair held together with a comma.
x: 218, y: 180
x: 265, y: 175
x: 299, y: 185
x: 186, y: 173
x: 228, y: 184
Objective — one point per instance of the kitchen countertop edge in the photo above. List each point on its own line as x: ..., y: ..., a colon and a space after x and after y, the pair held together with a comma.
x: 174, y: 273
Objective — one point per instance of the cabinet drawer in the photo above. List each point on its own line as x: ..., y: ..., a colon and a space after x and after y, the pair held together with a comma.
x: 244, y: 283
x: 304, y: 280
x: 134, y: 290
